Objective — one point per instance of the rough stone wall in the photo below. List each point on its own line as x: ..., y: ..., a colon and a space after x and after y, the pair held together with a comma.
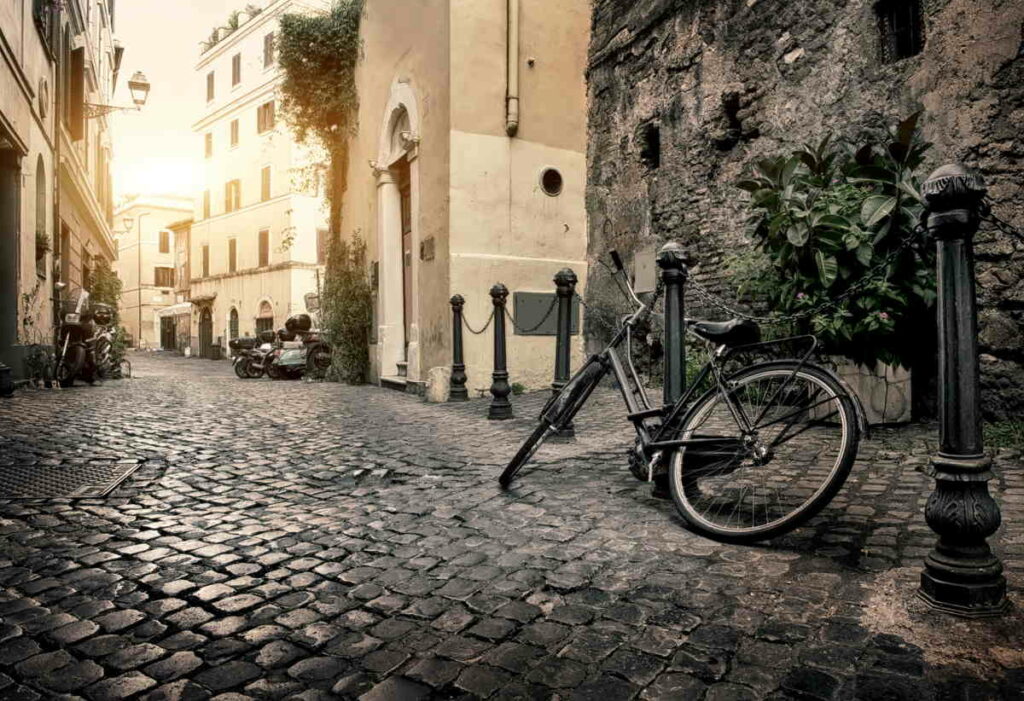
x: 725, y: 82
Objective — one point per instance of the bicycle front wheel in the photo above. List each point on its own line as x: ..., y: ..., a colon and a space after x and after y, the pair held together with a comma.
x: 738, y: 484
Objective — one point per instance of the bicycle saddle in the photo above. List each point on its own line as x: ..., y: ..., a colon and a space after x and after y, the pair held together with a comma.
x: 735, y: 332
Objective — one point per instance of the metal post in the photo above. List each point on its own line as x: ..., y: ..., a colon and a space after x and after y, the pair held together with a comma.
x: 457, y: 392
x: 672, y: 260
x: 961, y: 576
x: 565, y: 287
x: 500, y: 407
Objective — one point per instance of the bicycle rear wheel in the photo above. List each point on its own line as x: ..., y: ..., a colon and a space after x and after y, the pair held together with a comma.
x: 742, y: 486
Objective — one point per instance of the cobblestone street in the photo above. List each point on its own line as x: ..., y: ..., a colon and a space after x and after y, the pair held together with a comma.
x: 294, y: 540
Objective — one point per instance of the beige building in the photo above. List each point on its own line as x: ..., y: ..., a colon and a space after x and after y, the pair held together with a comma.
x: 147, y: 262
x: 60, y: 66
x: 468, y: 169
x: 256, y: 242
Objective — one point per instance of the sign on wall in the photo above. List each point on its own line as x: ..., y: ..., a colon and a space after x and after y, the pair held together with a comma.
x: 529, y: 308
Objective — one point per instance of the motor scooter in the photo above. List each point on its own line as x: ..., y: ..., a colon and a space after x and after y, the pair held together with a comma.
x: 75, y: 345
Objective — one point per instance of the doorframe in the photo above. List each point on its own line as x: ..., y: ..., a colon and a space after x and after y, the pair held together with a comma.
x: 398, y: 139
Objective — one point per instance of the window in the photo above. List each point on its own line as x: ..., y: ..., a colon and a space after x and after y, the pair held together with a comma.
x: 321, y: 246
x: 42, y: 231
x: 165, y: 241
x: 232, y: 255
x: 76, y: 97
x: 232, y: 195
x: 208, y: 144
x: 206, y: 204
x: 551, y: 182
x: 650, y: 145
x: 206, y: 261
x: 265, y: 184
x: 163, y: 277
x: 236, y: 69
x: 265, y: 318
x: 209, y: 86
x: 234, y: 132
x: 268, y: 50
x: 265, y: 117
x: 233, y: 323
x: 264, y: 247
x: 900, y: 28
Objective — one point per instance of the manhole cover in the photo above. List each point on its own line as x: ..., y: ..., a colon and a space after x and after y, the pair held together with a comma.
x: 66, y: 480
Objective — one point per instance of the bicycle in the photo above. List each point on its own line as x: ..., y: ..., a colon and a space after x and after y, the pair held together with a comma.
x: 754, y: 456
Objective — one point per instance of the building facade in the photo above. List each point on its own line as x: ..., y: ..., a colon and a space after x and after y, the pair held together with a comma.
x: 712, y: 87
x: 147, y: 264
x: 257, y: 236
x: 468, y: 170
x: 60, y: 61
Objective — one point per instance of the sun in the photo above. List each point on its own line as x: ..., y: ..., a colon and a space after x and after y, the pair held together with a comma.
x: 160, y: 175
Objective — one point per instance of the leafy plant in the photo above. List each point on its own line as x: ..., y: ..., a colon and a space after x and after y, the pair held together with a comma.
x: 347, y: 309
x: 42, y: 242
x: 517, y: 388
x: 826, y: 216
x: 318, y: 54
x: 106, y: 289
x: 1004, y: 434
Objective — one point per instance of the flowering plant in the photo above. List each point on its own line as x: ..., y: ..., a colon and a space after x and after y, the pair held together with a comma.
x: 824, y: 218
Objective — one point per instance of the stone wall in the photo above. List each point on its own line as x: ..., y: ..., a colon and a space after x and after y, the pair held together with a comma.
x: 719, y: 83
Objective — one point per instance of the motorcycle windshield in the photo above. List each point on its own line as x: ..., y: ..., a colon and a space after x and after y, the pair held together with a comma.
x: 292, y: 357
x: 74, y: 300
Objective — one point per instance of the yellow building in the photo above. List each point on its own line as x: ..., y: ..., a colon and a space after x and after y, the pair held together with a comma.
x: 147, y: 263
x: 468, y: 169
x: 60, y: 66
x: 256, y: 241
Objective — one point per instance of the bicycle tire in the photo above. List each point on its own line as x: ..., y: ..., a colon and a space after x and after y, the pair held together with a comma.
x: 684, y: 478
x: 525, y: 452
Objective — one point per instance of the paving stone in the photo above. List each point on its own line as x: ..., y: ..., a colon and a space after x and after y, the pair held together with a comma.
x: 482, y: 680
x: 134, y: 656
x: 177, y: 665
x: 228, y: 675
x: 121, y: 687
x: 397, y: 688
x: 674, y: 685
x: 434, y: 671
x: 318, y: 668
x: 558, y: 673
x: 71, y: 677
x: 277, y: 653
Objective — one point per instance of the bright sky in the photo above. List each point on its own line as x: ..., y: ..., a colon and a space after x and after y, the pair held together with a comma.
x: 154, y: 150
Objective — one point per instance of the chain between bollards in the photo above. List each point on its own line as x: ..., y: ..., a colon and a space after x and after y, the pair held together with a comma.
x: 962, y: 576
x: 501, y: 407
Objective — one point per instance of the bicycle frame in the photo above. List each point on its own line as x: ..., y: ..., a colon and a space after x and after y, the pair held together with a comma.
x: 655, y: 439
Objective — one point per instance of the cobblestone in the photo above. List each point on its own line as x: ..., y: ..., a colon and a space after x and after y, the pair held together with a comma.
x: 356, y: 544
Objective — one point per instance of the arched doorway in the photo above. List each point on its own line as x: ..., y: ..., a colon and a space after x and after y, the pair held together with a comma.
x: 397, y: 170
x: 265, y: 317
x: 206, y: 333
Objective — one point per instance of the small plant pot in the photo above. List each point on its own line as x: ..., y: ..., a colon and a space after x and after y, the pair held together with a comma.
x: 883, y: 390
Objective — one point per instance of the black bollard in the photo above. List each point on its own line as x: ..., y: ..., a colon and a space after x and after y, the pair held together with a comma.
x: 501, y: 407
x: 565, y: 287
x: 457, y: 392
x: 961, y: 575
x: 672, y: 260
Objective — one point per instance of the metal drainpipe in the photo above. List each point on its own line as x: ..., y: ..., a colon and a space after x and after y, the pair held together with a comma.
x: 512, y: 93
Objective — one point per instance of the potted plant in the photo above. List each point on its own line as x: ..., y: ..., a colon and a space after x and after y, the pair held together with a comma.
x: 42, y: 248
x: 830, y: 217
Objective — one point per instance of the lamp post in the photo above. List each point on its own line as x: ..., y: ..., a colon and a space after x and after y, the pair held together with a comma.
x: 129, y: 222
x: 138, y: 86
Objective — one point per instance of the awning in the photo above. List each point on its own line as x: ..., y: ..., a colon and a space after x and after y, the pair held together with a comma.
x: 204, y: 299
x: 175, y: 309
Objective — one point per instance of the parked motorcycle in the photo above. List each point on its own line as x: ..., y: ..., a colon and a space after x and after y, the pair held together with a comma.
x: 103, y: 340
x: 75, y: 346
x: 259, y: 357
x: 300, y: 350
x: 242, y: 349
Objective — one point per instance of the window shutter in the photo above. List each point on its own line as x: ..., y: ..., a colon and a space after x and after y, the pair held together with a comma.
x: 76, y: 120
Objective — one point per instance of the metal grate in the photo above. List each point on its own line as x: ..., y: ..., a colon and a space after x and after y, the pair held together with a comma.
x: 72, y: 481
x: 900, y: 28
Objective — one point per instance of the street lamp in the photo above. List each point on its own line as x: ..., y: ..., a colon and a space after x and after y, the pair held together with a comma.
x: 129, y: 222
x: 138, y: 86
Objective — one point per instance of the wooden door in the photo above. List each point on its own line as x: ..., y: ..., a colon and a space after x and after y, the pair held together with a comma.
x: 167, y: 341
x: 205, y: 333
x: 405, y: 190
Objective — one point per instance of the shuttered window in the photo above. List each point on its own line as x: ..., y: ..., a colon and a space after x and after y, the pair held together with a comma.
x: 264, y: 247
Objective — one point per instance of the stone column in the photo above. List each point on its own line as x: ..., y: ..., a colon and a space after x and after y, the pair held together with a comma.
x: 391, y: 324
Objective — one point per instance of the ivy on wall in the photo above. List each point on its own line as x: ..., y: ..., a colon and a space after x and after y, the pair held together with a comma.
x: 318, y: 54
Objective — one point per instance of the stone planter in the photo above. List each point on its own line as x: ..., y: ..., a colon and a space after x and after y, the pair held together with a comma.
x: 884, y: 390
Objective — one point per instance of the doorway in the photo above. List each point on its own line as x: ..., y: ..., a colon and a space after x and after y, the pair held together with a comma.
x: 405, y: 196
x: 206, y: 333
x: 167, y: 340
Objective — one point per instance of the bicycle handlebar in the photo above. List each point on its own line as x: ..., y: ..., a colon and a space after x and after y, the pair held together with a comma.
x: 617, y: 261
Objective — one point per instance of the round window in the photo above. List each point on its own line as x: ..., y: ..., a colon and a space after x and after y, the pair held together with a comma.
x: 551, y: 182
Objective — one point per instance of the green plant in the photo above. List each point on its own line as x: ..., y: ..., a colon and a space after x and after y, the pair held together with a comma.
x: 318, y: 54
x: 517, y: 388
x: 106, y: 289
x: 1004, y: 434
x: 42, y: 242
x: 825, y: 217
x: 347, y: 309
